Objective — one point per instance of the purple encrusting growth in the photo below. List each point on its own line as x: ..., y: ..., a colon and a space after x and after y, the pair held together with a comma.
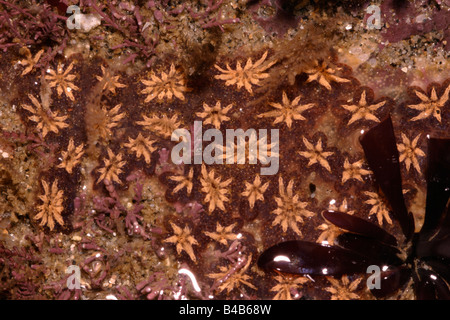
x: 407, y: 18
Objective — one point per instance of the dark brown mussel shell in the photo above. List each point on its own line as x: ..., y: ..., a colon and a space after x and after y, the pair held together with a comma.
x: 381, y: 153
x: 429, y: 285
x: 359, y: 226
x: 392, y: 278
x: 434, y: 237
x: 379, y: 252
x: 438, y: 189
x: 302, y: 257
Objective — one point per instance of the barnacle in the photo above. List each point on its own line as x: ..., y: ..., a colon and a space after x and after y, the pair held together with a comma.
x: 166, y: 86
x: 214, y: 115
x: 286, y: 284
x: 363, y: 110
x: 222, y: 234
x: 378, y: 207
x: 215, y: 189
x: 183, y: 240
x: 108, y: 120
x: 142, y: 146
x: 256, y: 149
x: 287, y: 111
x: 290, y: 209
x: 316, y: 154
x: 324, y: 74
x: 29, y: 62
x: 71, y: 157
x: 110, y: 82
x: 112, y: 167
x: 62, y: 80
x: 255, y: 191
x: 353, y: 171
x: 232, y: 280
x: 344, y: 289
x: 184, y: 181
x: 46, y: 119
x: 245, y: 77
x: 51, y: 208
x: 163, y: 126
x: 409, y: 151
x: 430, y: 106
